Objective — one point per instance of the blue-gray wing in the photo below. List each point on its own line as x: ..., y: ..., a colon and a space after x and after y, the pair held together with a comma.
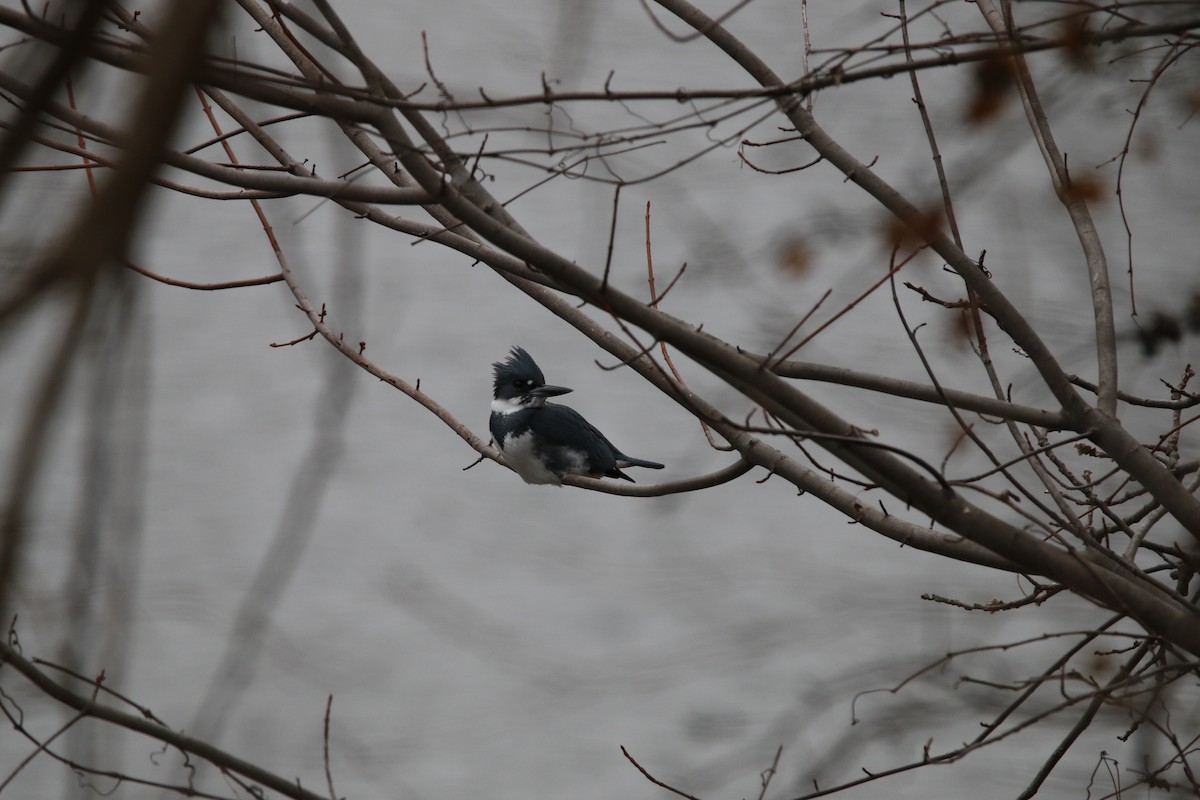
x: 562, y: 426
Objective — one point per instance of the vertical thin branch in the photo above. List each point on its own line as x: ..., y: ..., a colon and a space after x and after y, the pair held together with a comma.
x: 612, y: 236
x: 1076, y: 206
x: 808, y: 98
x: 325, y: 748
x: 1172, y: 55
x: 947, y: 202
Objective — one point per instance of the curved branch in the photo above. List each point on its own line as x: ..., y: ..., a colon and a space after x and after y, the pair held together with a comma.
x: 724, y: 475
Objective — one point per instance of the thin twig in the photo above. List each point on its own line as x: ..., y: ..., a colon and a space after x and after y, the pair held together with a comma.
x: 325, y: 747
x: 655, y: 780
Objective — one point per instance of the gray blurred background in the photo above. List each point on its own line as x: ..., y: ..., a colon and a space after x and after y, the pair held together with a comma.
x: 234, y: 532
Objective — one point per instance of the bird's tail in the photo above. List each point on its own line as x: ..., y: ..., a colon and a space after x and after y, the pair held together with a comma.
x: 630, y: 461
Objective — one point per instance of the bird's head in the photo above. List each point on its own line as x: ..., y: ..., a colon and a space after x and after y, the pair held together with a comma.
x: 518, y: 381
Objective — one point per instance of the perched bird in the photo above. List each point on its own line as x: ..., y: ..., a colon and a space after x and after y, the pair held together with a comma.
x: 545, y: 442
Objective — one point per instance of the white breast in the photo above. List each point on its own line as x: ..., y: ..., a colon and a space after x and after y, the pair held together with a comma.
x: 519, y: 453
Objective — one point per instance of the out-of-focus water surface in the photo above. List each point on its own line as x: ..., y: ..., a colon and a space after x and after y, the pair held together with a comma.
x: 483, y: 636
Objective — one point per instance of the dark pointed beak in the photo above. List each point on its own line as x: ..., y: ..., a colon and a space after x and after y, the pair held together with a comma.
x: 550, y: 391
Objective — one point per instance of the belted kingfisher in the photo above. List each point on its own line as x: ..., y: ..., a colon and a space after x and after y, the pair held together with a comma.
x: 545, y: 442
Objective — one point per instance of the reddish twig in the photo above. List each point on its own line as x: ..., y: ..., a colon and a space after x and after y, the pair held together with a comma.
x: 663, y: 345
